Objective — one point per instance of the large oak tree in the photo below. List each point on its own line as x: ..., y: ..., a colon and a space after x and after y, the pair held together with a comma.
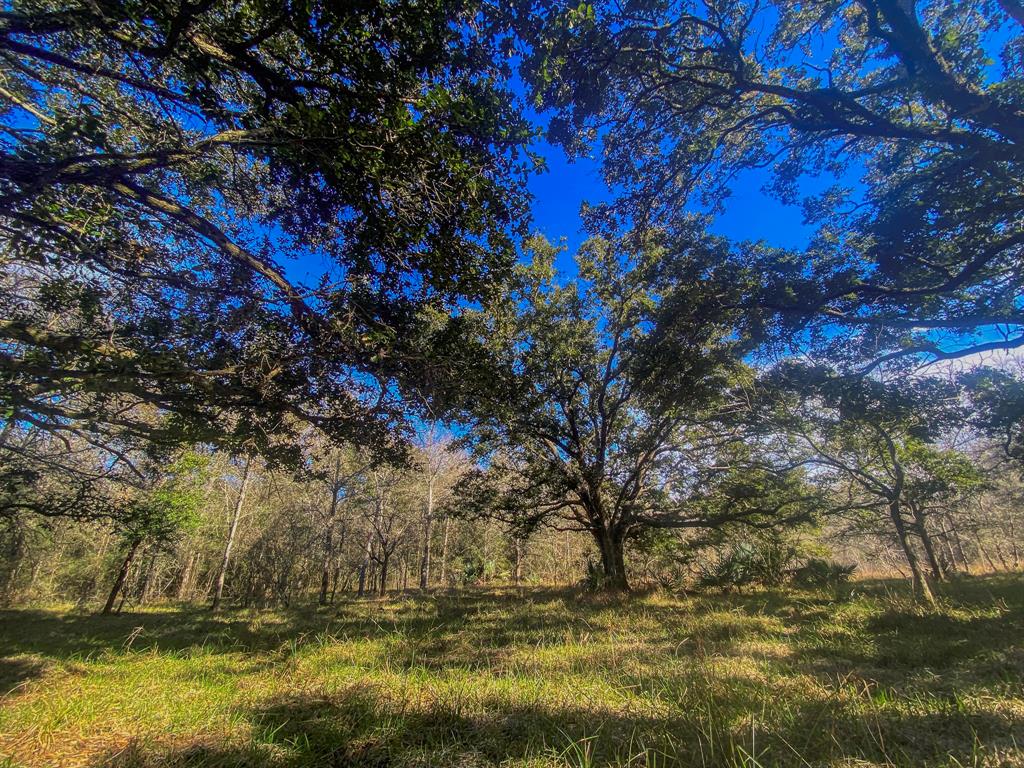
x: 615, y: 403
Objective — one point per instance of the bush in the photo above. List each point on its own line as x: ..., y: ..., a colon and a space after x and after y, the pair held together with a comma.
x: 595, y: 580
x: 762, y: 562
x: 769, y: 562
x: 732, y: 570
x: 817, y: 573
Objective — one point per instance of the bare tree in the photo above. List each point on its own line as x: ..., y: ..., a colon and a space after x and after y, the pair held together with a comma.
x: 236, y: 513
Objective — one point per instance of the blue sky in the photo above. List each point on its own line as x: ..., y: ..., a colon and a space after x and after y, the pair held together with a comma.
x: 749, y: 213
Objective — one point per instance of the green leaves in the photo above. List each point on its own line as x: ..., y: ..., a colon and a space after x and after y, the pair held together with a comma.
x: 242, y: 214
x: 920, y: 254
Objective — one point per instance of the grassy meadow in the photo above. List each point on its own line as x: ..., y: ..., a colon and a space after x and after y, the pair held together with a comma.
x: 527, y: 678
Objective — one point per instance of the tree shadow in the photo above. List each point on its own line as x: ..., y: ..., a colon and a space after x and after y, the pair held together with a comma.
x: 16, y: 671
x: 58, y: 635
x: 364, y: 728
x: 694, y: 715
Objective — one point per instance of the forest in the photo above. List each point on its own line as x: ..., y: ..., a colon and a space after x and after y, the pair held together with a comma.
x: 526, y: 383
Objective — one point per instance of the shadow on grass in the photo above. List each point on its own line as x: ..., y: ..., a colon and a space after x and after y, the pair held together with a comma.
x: 75, y: 635
x: 487, y: 622
x: 978, y: 617
x: 360, y: 729
x: 484, y: 613
x: 717, y: 720
x: 17, y: 671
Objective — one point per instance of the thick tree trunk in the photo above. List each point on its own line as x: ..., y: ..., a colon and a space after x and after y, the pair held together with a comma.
x: 610, y: 543
x: 122, y: 576
x: 921, y: 589
x: 218, y: 584
x: 428, y: 525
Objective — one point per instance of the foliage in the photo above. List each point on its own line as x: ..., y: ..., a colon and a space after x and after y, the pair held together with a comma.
x: 895, y: 125
x: 817, y: 573
x: 998, y: 400
x: 939, y: 477
x: 169, y: 506
x: 169, y: 172
x: 290, y: 231
x: 607, y: 405
x: 57, y: 475
x: 764, y: 560
x: 873, y: 443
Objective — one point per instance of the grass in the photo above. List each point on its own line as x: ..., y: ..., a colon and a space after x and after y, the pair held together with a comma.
x: 532, y: 678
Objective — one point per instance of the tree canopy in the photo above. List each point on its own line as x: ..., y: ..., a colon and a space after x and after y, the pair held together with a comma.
x: 291, y: 233
x: 913, y: 109
x: 238, y: 213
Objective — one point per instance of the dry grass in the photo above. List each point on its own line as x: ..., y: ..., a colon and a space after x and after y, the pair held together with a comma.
x: 537, y: 678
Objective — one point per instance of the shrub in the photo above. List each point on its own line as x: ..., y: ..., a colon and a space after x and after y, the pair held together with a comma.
x: 762, y: 562
x: 816, y: 573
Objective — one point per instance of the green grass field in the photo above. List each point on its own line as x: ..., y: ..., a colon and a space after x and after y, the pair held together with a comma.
x: 531, y: 678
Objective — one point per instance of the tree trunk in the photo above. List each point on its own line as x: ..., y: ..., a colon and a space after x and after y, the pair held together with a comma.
x: 218, y: 585
x: 122, y: 576
x: 566, y: 560
x: 325, y: 576
x: 983, y: 551
x: 938, y: 572
x: 517, y: 560
x: 444, y: 553
x: 342, y: 538
x: 1014, y: 549
x: 185, y: 585
x: 364, y: 567
x: 947, y: 541
x: 999, y: 554
x: 921, y: 589
x: 385, y: 558
x: 428, y: 524
x: 610, y: 542
x: 146, y: 589
x: 334, y: 582
x: 325, y: 580
x: 959, y: 544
